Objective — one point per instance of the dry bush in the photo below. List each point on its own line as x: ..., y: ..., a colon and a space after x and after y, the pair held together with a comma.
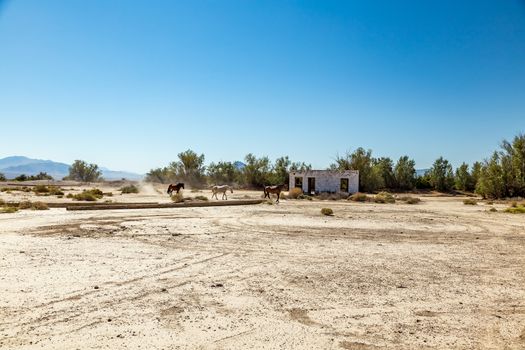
x: 493, y: 209
x: 17, y: 188
x: 8, y: 210
x: 25, y: 205
x: 129, y: 189
x: 514, y: 204
x: 358, y: 197
x: 108, y: 194
x: 201, y: 198
x: 518, y: 209
x: 2, y: 202
x: 40, y: 189
x: 384, y: 197
x: 409, y: 199
x: 490, y: 202
x: 305, y: 196
x: 413, y: 200
x: 39, y: 206
x: 327, y: 211
x: 294, y: 193
x: 87, y: 195
x: 177, y: 197
x: 470, y: 201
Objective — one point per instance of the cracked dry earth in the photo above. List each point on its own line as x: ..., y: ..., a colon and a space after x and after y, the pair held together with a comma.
x: 438, y: 275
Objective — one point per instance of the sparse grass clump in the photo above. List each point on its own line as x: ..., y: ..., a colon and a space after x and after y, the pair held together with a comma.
x: 493, y: 210
x: 43, y: 190
x: 16, y: 188
x: 39, y: 206
x: 358, y: 197
x: 518, y: 209
x: 384, y: 197
x: 409, y: 199
x: 25, y: 205
x: 305, y: 196
x: 327, y: 211
x: 294, y: 193
x: 8, y: 210
x: 177, y: 197
x: 87, y: 195
x: 129, y: 189
x: 470, y: 201
x: 201, y: 198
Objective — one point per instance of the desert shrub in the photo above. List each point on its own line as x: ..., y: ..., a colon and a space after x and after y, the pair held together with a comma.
x: 470, y: 201
x: 70, y: 195
x: 294, y: 193
x: 39, y: 206
x: 87, y: 195
x: 177, y: 197
x: 2, y: 177
x: 409, y: 199
x: 305, y: 196
x: 129, y: 189
x: 25, y: 205
x: 8, y: 210
x: 41, y: 189
x: 514, y: 204
x: 516, y: 210
x: 15, y: 188
x: 358, y: 197
x: 201, y: 198
x: 413, y: 200
x: 323, y: 196
x: 2, y: 202
x: 327, y: 211
x: 490, y: 202
x: 493, y: 209
x: 384, y: 197
x: 108, y: 194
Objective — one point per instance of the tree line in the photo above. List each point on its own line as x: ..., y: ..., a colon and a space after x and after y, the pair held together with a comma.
x: 500, y: 176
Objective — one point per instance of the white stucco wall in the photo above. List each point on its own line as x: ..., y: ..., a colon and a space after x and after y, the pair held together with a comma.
x: 327, y: 181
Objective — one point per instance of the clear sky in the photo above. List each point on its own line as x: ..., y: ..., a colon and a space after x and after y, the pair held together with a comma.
x: 129, y: 84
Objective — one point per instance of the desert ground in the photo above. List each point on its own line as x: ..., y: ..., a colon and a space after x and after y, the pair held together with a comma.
x: 435, y: 275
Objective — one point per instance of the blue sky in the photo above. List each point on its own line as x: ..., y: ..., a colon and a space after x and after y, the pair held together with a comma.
x: 129, y: 84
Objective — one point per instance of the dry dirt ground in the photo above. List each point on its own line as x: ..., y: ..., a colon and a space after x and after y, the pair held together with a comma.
x: 437, y: 275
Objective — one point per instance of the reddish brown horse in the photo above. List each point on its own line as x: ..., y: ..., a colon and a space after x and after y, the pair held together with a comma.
x: 274, y: 189
x: 176, y: 188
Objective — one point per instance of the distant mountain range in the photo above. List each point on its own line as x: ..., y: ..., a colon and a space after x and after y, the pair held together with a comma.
x: 14, y: 166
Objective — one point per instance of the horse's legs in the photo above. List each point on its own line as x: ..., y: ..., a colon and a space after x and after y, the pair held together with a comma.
x: 278, y: 196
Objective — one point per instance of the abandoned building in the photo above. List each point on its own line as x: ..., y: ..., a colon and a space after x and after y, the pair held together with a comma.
x: 319, y: 181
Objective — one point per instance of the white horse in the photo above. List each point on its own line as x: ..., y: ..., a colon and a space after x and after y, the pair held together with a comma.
x: 221, y: 189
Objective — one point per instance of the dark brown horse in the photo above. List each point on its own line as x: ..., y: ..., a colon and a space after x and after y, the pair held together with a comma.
x: 176, y: 188
x: 274, y: 189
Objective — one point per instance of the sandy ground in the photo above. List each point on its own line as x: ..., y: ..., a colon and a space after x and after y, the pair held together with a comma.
x: 437, y: 275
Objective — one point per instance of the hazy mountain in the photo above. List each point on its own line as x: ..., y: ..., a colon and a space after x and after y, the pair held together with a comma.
x: 239, y: 165
x: 14, y: 166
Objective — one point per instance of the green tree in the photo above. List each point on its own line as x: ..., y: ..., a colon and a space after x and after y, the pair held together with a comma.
x: 405, y: 173
x: 370, y: 178
x: 189, y: 168
x: 441, y: 175
x: 300, y: 166
x: 256, y: 172
x: 222, y: 173
x: 512, y: 158
x: 475, y: 174
x: 82, y: 171
x: 385, y: 167
x: 491, y: 183
x: 463, y: 180
x: 2, y: 177
x: 160, y: 175
x: 281, y: 171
